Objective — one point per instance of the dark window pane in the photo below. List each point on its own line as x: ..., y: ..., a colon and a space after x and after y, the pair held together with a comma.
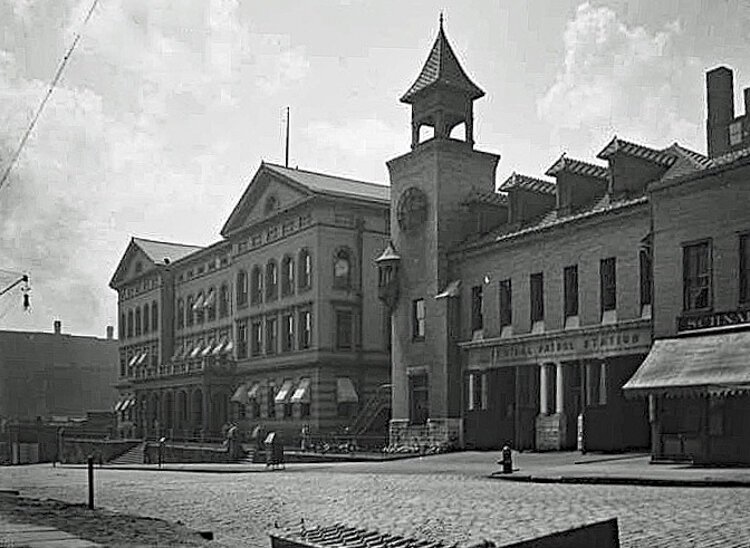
x: 608, y: 282
x: 537, y: 297
x: 506, y: 304
x: 476, y: 308
x: 571, y: 290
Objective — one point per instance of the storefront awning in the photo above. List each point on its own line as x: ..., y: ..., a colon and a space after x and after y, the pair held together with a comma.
x: 119, y: 405
x: 141, y: 358
x: 717, y: 364
x: 219, y: 347
x: 284, y: 392
x: 199, y: 303
x: 240, y: 395
x: 228, y: 348
x: 128, y: 403
x: 254, y: 391
x: 345, y: 392
x: 209, y: 347
x: 302, y: 393
x: 196, y: 350
x: 133, y: 359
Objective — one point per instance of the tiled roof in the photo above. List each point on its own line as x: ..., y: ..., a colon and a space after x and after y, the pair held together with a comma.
x: 159, y: 251
x: 552, y: 218
x: 333, y: 185
x: 442, y: 68
x: 662, y: 157
x: 577, y: 167
x: 694, y: 164
x: 486, y: 197
x: 516, y: 180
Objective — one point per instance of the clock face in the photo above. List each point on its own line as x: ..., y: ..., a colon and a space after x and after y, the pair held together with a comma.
x: 412, y: 209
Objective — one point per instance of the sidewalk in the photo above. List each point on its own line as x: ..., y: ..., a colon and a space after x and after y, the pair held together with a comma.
x: 619, y: 469
x: 14, y: 534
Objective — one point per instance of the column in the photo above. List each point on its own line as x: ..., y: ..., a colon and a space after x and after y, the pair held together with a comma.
x: 206, y: 412
x: 560, y: 389
x: 543, y: 390
x: 603, y: 383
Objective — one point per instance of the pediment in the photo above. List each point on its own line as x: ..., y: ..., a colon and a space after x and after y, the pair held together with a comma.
x: 134, y: 263
x: 266, y: 195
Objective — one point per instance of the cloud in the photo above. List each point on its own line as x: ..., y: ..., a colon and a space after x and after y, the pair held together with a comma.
x: 364, y: 137
x: 620, y: 79
x: 143, y: 135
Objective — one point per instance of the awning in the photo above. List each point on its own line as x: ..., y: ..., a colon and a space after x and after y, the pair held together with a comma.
x: 219, y: 347
x: 133, y: 359
x: 302, y: 393
x: 207, y: 350
x: 716, y: 364
x: 254, y: 391
x: 119, y: 405
x: 284, y: 392
x: 198, y: 304
x: 210, y: 299
x: 196, y: 350
x: 141, y: 358
x: 240, y: 395
x: 228, y: 348
x: 453, y: 289
x: 345, y: 392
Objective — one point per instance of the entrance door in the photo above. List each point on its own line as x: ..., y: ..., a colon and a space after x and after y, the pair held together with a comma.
x: 490, y: 398
x: 527, y: 405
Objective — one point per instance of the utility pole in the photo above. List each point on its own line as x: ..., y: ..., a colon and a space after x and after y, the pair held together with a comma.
x: 24, y: 279
x: 286, y: 156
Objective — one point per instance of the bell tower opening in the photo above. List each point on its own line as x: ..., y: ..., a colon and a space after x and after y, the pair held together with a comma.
x: 442, y: 97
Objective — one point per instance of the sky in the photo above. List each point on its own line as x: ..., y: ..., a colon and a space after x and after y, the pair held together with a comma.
x: 167, y: 108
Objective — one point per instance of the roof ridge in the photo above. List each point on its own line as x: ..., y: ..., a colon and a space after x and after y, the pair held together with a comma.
x: 327, y: 175
x: 134, y: 238
x: 564, y: 161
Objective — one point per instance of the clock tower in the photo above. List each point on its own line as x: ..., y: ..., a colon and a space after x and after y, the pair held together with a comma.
x: 429, y: 184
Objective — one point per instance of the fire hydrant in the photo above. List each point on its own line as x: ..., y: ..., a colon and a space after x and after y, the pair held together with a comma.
x: 506, y: 459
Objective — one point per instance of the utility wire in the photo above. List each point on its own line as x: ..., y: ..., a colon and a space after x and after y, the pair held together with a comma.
x: 58, y: 74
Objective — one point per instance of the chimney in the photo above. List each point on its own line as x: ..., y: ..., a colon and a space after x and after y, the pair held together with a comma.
x: 58, y: 327
x: 110, y: 332
x: 720, y: 103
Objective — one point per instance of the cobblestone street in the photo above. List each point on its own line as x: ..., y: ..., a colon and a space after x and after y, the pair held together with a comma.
x: 402, y: 497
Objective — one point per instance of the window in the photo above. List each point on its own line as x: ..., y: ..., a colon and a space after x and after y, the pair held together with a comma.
x: 342, y: 273
x: 505, y: 306
x: 199, y: 308
x: 537, y: 297
x: 304, y: 410
x: 241, y: 288
x: 224, y: 301
x: 305, y: 269
x: 608, y: 283
x: 305, y: 329
x: 477, y: 391
x: 271, y: 337
x: 257, y: 337
x: 735, y: 133
x: 570, y: 290
x: 418, y: 399
x: 137, y: 321
x: 180, y: 313
x: 256, y: 286
x: 146, y: 317
x: 287, y: 341
x: 272, y: 281
x: 211, y: 305
x: 288, y: 410
x: 154, y: 316
x: 745, y: 268
x: 418, y: 317
x: 596, y: 383
x: 646, y: 271
x: 287, y: 276
x: 344, y: 329
x: 121, y: 327
x: 130, y: 323
x: 189, y: 310
x: 270, y: 400
x: 696, y: 276
x: 476, y: 308
x: 242, y: 339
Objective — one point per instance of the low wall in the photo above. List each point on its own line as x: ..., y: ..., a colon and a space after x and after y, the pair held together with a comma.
x: 437, y: 435
x: 179, y: 453
x: 76, y: 451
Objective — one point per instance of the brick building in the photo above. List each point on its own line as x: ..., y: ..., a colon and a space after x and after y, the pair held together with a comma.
x: 278, y: 324
x: 55, y: 376
x: 518, y: 315
x: 697, y: 376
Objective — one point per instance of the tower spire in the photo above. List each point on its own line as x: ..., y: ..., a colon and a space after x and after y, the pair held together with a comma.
x: 441, y: 20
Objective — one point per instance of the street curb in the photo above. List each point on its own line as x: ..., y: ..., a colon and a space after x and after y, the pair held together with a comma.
x: 605, y: 480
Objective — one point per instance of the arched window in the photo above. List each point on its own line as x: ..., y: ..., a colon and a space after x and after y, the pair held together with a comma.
x: 287, y: 275
x: 342, y: 269
x: 211, y: 304
x: 272, y: 280
x: 122, y: 325
x: 305, y: 269
x: 130, y: 323
x: 241, y: 287
x: 224, y: 301
x: 256, y: 286
x: 138, y: 321
x: 180, y: 313
x: 189, y: 310
x: 146, y: 318
x: 154, y: 316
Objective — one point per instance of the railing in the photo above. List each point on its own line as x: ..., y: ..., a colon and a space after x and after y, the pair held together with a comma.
x: 343, y: 444
x: 184, y: 367
x: 372, y: 408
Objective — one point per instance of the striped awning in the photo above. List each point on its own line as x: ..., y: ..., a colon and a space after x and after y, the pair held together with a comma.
x: 228, y: 348
x: 207, y: 350
x: 697, y: 365
x: 254, y: 391
x: 196, y: 350
x: 284, y: 392
x: 133, y: 359
x: 240, y: 395
x: 302, y: 393
x: 141, y: 358
x: 219, y: 347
